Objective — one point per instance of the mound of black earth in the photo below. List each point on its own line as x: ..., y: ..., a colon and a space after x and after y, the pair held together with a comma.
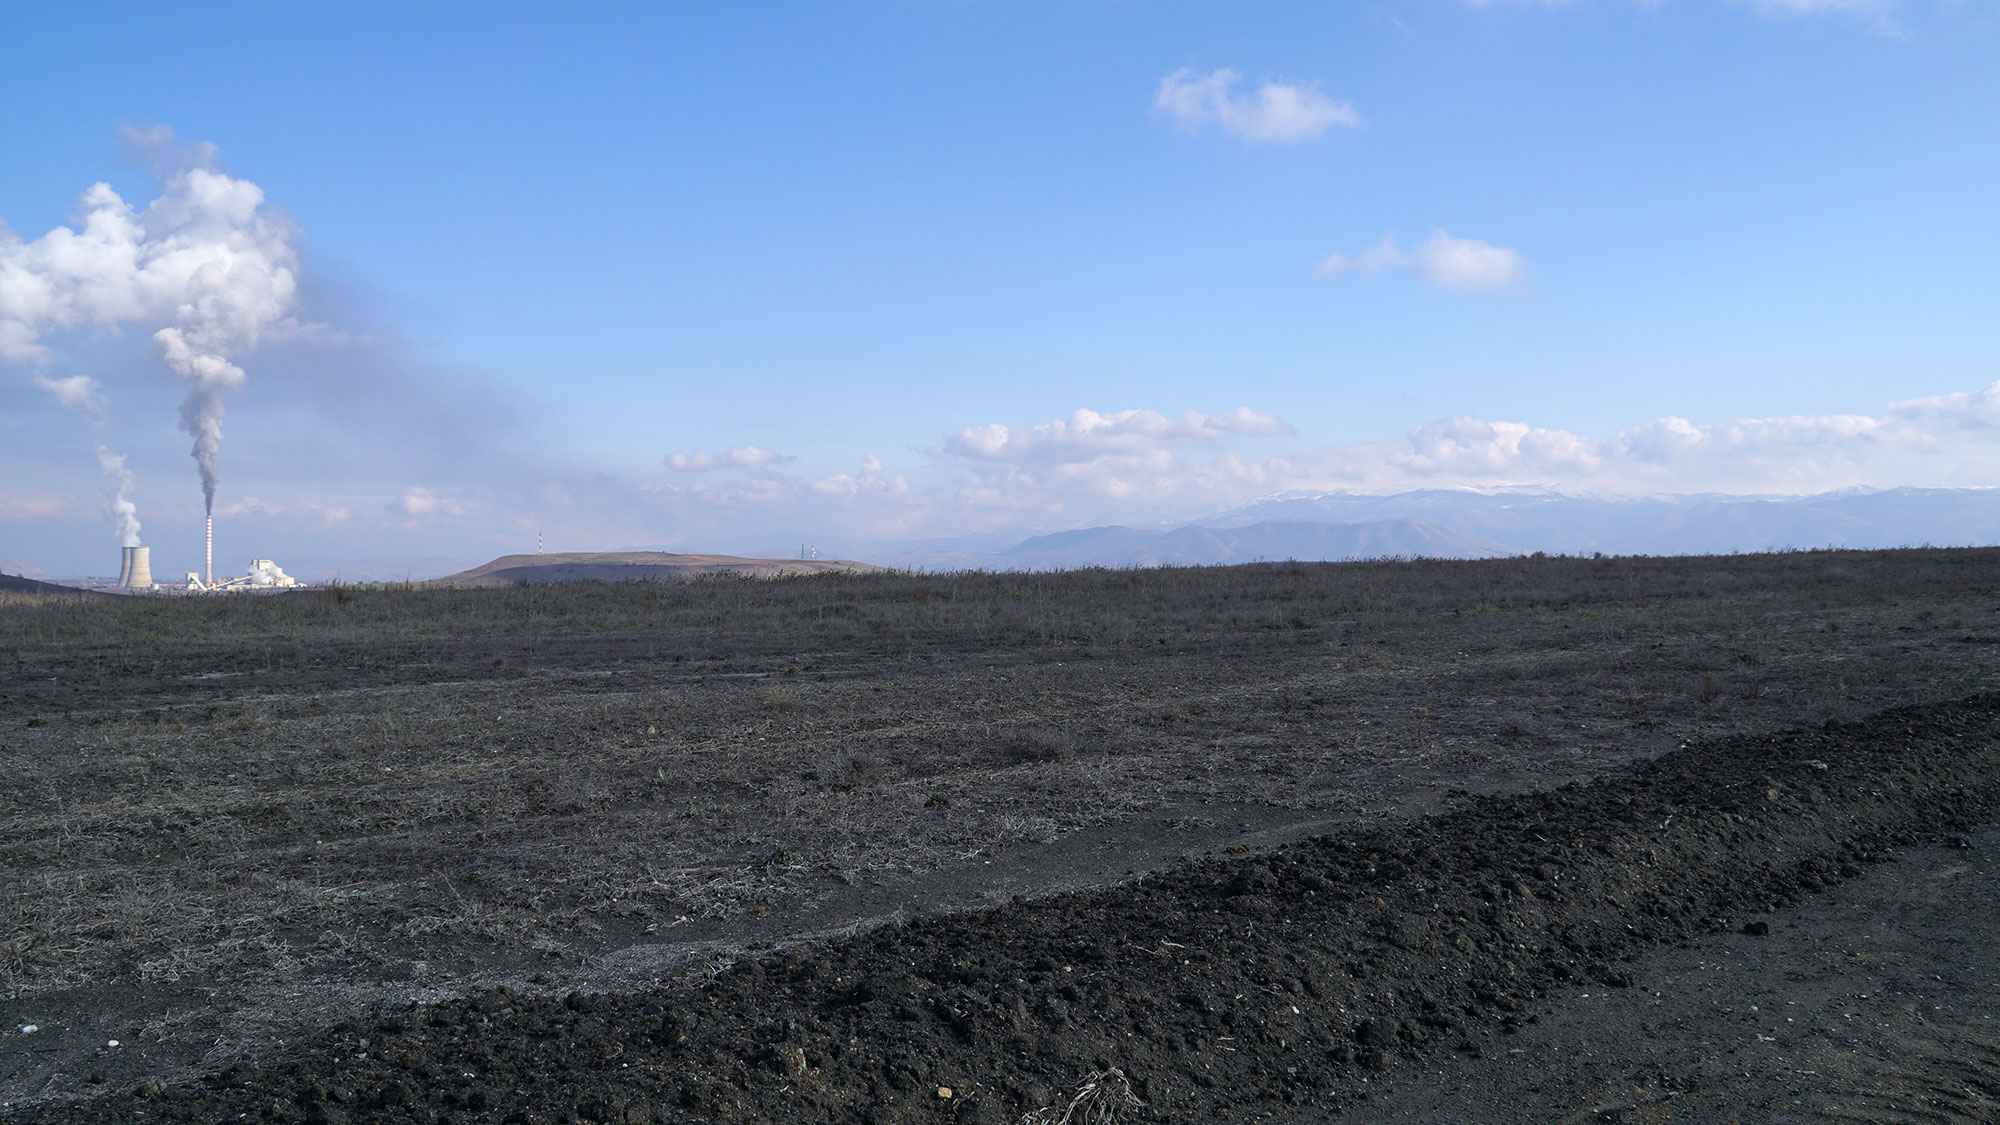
x: 1255, y: 983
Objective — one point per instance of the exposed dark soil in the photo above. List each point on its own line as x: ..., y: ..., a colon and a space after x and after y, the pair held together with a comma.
x: 1308, y: 830
x: 1878, y: 1000
x: 1280, y: 979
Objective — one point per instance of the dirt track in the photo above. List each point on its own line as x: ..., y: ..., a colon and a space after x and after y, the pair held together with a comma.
x: 1278, y: 980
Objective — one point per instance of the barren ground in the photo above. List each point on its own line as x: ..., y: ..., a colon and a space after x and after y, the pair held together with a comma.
x: 235, y: 828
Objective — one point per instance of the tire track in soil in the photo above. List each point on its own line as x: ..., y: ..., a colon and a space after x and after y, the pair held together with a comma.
x: 1227, y: 990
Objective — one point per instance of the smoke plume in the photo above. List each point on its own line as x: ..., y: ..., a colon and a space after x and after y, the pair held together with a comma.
x: 207, y: 265
x: 118, y: 506
x: 83, y: 394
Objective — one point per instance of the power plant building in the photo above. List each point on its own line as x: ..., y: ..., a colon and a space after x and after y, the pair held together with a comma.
x: 135, y: 572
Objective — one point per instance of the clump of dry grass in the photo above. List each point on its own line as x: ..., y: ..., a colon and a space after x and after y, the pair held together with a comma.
x: 1099, y: 1100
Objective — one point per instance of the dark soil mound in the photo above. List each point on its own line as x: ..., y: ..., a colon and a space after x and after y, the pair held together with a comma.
x: 1262, y: 981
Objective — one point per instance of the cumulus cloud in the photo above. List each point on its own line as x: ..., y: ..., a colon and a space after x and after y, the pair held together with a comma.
x: 871, y: 478
x: 1127, y: 456
x: 1465, y: 263
x: 741, y: 457
x: 1140, y: 465
x: 207, y: 262
x: 1455, y: 263
x: 1384, y: 255
x: 327, y: 515
x: 418, y: 505
x: 1963, y: 410
x: 1087, y: 434
x: 1277, y: 111
x: 75, y: 392
x: 1471, y: 447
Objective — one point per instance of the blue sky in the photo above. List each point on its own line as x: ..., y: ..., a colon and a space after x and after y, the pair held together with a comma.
x: 932, y: 269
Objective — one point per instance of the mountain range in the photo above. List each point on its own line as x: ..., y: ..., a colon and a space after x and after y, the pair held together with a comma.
x: 1450, y: 523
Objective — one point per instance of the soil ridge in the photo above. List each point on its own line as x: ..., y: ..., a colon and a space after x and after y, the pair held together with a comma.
x: 1284, y: 978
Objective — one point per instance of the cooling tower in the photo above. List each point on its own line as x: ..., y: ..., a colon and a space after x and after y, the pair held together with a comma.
x: 136, y: 572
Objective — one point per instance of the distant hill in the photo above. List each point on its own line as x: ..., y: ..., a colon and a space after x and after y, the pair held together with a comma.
x: 1271, y: 541
x: 636, y: 566
x: 22, y: 569
x: 15, y: 585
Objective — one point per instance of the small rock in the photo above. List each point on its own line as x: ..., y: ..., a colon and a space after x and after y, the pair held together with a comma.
x: 1757, y: 929
x: 944, y: 1093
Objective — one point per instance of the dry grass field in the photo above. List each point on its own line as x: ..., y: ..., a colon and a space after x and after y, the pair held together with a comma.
x: 227, y: 822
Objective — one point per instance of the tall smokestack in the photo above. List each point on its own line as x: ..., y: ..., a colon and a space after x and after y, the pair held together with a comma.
x: 208, y: 556
x: 137, y: 571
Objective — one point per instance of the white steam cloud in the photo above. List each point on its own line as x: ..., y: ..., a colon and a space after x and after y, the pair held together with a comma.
x: 207, y: 261
x: 81, y: 393
x: 118, y: 505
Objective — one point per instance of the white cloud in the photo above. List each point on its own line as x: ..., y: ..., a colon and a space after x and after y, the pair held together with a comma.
x: 1278, y: 111
x: 1087, y: 434
x: 327, y: 515
x: 1384, y: 255
x: 1126, y: 457
x: 1468, y: 446
x: 75, y: 392
x: 417, y: 505
x: 32, y: 507
x: 1139, y: 466
x: 1964, y: 410
x: 1094, y: 468
x: 871, y: 478
x: 206, y: 262
x: 741, y: 457
x: 1455, y: 263
x: 1465, y: 263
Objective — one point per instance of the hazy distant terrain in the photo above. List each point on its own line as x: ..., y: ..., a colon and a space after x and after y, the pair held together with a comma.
x: 21, y: 568
x: 636, y: 566
x: 1529, y: 520
x: 1272, y: 540
x: 1460, y: 523
x: 1303, y: 527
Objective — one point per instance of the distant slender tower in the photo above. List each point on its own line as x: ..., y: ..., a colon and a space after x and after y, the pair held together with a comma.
x: 208, y: 556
